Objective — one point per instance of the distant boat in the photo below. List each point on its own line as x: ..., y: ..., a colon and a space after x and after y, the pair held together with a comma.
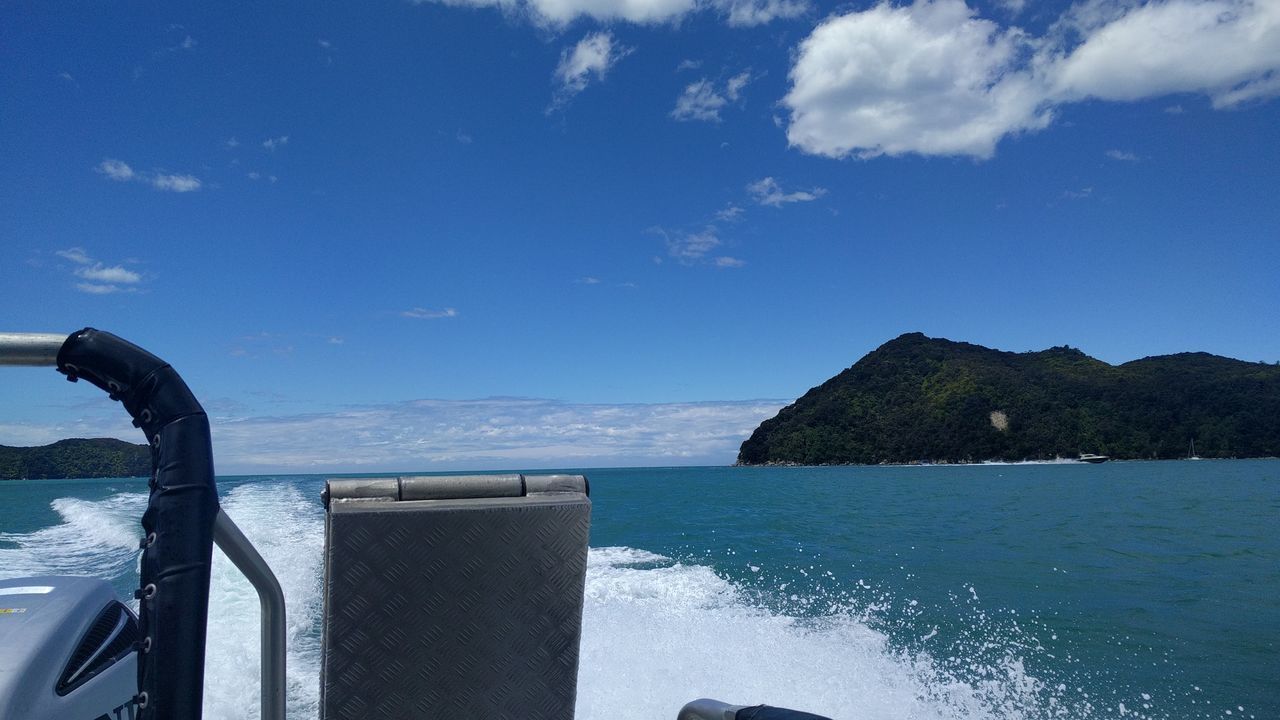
x: 1094, y: 459
x: 1193, y: 455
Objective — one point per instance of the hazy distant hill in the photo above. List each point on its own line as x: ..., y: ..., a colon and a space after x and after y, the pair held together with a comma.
x: 77, y: 458
x: 919, y: 398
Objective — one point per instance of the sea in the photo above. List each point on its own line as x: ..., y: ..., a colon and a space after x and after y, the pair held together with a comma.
x: 1135, y: 590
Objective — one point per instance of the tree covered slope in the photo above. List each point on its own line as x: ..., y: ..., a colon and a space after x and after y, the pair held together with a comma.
x: 919, y: 398
x: 77, y: 458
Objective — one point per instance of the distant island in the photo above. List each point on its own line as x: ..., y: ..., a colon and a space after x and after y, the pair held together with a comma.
x: 75, y: 458
x: 922, y: 399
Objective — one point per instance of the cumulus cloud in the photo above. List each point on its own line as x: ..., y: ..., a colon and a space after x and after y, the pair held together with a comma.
x: 929, y: 78
x: 932, y: 78
x: 590, y: 59
x: 102, y: 279
x: 426, y: 314
x: 1226, y: 49
x: 724, y: 261
x: 767, y: 191
x: 275, y: 142
x: 495, y: 433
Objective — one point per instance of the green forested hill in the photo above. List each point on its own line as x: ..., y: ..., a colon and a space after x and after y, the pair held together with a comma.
x: 919, y: 398
x: 101, y: 457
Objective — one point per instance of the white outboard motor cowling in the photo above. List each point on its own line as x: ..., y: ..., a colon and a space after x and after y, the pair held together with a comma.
x: 67, y: 650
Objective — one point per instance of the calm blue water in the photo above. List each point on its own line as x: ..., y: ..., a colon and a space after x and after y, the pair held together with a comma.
x: 1146, y: 590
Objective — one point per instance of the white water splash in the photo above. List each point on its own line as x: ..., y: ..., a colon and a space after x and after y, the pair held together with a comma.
x: 656, y: 633
x: 93, y: 538
x: 288, y: 531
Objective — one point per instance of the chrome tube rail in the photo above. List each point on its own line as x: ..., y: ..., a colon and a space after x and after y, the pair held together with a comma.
x: 245, y: 557
x: 30, y: 349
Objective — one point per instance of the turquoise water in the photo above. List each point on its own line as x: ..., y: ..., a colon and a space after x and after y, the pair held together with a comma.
x: 1147, y: 590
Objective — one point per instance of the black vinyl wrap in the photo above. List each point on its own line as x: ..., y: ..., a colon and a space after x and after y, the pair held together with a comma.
x: 765, y: 712
x: 180, y: 513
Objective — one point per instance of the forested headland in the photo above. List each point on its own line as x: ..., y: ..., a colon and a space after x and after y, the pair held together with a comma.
x: 75, y: 458
x: 917, y: 399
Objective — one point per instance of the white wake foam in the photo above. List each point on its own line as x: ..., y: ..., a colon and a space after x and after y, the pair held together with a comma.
x: 656, y: 633
x: 93, y: 538
x: 288, y: 532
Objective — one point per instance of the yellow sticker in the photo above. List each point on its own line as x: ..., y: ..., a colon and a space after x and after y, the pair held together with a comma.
x: 12, y: 611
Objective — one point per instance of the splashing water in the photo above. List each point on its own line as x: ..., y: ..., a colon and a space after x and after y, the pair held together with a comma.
x: 657, y: 632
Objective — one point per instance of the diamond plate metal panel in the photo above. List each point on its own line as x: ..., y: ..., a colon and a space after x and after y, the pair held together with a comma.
x: 454, y: 609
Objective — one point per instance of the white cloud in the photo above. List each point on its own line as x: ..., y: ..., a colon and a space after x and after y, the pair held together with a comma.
x: 561, y: 12
x: 1226, y: 49
x: 1122, y: 155
x: 932, y: 78
x: 324, y: 43
x: 76, y: 255
x: 232, y: 143
x: 588, y: 281
x: 113, y: 274
x: 702, y: 101
x: 496, y: 433
x: 747, y: 13
x: 699, y: 101
x: 175, y: 183
x: 558, y: 13
x: 115, y: 169
x: 102, y: 279
x: 729, y: 262
x: 592, y: 57
x: 767, y: 191
x: 98, y: 288
x: 928, y: 78
x: 733, y: 88
x: 425, y: 314
x: 253, y: 175
x: 120, y: 171
x: 275, y: 142
x: 689, y: 248
x: 688, y: 65
x: 730, y: 213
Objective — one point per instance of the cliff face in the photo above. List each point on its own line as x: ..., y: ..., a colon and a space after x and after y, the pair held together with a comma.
x: 77, y: 458
x: 919, y: 398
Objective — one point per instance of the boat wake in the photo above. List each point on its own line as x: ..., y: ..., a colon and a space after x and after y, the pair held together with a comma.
x: 656, y: 632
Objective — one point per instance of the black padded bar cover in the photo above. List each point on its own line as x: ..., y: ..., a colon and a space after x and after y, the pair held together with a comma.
x: 178, y: 523
x: 764, y: 712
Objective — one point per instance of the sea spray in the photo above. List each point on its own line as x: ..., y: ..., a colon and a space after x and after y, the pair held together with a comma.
x: 288, y: 531
x: 98, y: 538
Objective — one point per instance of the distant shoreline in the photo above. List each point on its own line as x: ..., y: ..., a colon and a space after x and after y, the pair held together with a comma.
x: 991, y: 463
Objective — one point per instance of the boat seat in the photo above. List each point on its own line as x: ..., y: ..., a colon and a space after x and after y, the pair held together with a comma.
x: 453, y: 597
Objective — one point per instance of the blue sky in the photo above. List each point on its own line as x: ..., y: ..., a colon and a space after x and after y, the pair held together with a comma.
x: 396, y: 235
